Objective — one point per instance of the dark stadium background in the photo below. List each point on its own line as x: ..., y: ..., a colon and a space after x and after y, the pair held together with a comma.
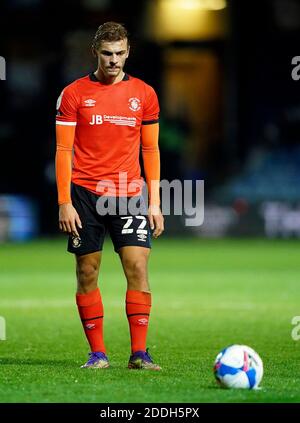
x: 230, y: 114
x: 229, y: 107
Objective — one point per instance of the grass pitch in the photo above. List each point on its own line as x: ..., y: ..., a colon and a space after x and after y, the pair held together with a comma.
x: 206, y: 295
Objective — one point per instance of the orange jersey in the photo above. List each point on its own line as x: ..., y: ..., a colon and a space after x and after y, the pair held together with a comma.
x: 108, y: 120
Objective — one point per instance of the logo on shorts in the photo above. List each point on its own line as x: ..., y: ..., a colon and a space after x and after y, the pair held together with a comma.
x: 142, y: 237
x: 76, y: 241
x: 134, y: 104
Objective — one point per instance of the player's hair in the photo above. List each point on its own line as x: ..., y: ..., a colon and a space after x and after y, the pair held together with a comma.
x: 109, y: 31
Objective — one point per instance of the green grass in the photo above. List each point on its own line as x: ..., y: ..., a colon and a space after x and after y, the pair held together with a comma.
x: 206, y: 295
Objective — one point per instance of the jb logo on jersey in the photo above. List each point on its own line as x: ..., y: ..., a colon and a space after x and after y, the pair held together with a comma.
x: 96, y: 120
x: 115, y: 120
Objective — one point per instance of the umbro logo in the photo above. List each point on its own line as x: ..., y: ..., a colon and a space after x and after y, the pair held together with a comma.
x: 89, y: 102
x: 142, y: 237
x: 90, y: 326
x: 143, y: 322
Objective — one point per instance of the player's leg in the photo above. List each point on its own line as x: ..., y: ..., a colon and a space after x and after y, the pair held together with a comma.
x: 87, y: 271
x: 87, y: 250
x: 90, y: 307
x: 134, y: 260
x: 138, y: 304
x: 131, y: 235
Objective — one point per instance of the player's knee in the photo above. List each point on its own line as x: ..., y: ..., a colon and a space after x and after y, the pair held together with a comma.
x: 87, y: 274
x: 137, y: 269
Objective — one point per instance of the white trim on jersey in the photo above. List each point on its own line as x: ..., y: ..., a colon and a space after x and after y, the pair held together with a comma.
x: 58, y: 122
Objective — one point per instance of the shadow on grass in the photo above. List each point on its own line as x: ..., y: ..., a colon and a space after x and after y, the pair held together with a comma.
x: 61, y: 363
x: 36, y: 362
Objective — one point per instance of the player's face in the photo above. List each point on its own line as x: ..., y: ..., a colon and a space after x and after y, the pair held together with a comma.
x: 112, y: 56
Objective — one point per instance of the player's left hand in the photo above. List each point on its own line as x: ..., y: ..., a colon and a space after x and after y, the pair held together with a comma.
x: 156, y: 220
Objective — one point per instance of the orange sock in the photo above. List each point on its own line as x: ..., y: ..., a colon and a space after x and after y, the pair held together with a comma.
x: 90, y: 309
x: 138, y: 305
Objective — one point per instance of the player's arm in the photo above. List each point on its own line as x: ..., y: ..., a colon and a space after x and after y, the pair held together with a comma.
x: 68, y: 216
x: 151, y: 160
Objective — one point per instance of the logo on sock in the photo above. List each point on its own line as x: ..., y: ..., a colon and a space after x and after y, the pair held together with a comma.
x: 143, y: 322
x: 90, y: 326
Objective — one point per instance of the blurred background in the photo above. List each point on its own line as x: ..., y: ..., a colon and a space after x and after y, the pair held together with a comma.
x: 230, y: 109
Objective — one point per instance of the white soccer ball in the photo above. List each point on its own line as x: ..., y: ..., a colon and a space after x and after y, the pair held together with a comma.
x: 238, y: 366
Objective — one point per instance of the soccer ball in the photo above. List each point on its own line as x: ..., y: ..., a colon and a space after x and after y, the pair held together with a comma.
x: 238, y: 366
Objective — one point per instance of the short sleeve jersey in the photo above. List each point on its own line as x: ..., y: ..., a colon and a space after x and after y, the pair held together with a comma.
x: 108, y: 121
